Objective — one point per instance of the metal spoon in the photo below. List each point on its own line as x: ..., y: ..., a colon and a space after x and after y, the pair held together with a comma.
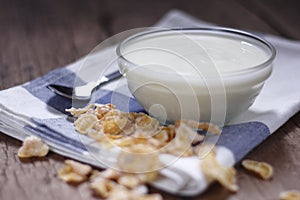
x: 83, y: 92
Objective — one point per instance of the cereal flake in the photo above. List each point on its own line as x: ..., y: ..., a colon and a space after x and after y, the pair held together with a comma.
x: 290, y: 195
x: 33, y: 147
x: 214, y: 171
x: 263, y: 169
x: 74, y: 172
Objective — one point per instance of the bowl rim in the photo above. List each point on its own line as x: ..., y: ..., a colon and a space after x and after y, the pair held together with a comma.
x: 219, y: 30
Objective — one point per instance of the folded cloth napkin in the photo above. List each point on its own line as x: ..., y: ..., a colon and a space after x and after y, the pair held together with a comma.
x: 32, y: 109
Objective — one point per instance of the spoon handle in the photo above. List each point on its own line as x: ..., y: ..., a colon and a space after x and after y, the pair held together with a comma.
x: 83, y: 92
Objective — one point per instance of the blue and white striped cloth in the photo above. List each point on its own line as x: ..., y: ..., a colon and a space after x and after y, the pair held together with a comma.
x: 33, y: 109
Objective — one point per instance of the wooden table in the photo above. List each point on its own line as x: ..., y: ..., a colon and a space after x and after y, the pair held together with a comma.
x: 39, y: 36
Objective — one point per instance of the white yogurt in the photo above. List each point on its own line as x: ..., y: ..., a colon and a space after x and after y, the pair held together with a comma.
x: 206, y: 75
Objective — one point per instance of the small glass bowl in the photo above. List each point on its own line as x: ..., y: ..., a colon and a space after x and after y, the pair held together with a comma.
x: 163, y: 73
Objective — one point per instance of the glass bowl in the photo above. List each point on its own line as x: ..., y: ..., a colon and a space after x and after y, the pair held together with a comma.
x: 203, y: 74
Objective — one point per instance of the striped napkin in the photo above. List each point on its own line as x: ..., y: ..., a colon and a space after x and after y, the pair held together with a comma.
x: 33, y: 109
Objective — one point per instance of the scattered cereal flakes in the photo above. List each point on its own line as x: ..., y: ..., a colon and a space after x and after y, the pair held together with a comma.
x: 139, y: 158
x: 290, y: 195
x: 150, y: 197
x: 114, y: 126
x: 76, y: 112
x: 203, y: 149
x: 140, y: 190
x: 211, y: 128
x: 129, y: 180
x: 79, y: 168
x: 95, y: 131
x: 112, y: 184
x: 85, y: 122
x: 94, y: 174
x: 263, y: 169
x: 146, y: 122
x: 103, y: 187
x: 112, y: 137
x: 68, y: 176
x: 198, y: 139
x: 142, y: 140
x: 126, y: 194
x: 74, y: 172
x: 181, y: 143
x: 98, y: 109
x: 148, y: 176
x: 186, y: 129
x: 214, y: 171
x: 123, y: 194
x: 124, y: 129
x: 111, y: 174
x: 155, y: 143
x: 102, y: 110
x: 33, y: 147
x: 123, y: 142
x: 166, y: 134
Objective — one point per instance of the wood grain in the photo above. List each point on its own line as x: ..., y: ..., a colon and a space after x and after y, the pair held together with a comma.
x: 38, y: 36
x: 282, y: 16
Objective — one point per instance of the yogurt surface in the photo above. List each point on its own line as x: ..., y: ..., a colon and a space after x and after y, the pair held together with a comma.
x: 189, y: 54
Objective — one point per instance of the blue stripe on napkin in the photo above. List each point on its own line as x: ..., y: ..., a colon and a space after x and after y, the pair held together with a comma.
x: 242, y: 138
x: 38, y: 88
x: 55, y: 137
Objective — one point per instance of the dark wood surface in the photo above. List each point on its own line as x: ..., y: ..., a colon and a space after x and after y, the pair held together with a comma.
x: 39, y: 36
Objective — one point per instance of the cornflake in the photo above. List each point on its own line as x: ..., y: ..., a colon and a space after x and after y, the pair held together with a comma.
x: 139, y: 158
x: 150, y: 197
x: 107, y: 125
x: 74, y: 172
x: 165, y: 135
x: 142, y: 139
x: 211, y: 128
x: 125, y: 194
x: 203, y: 150
x: 122, y: 194
x: 129, y: 181
x: 33, y: 147
x: 111, y: 174
x: 104, y: 187
x: 85, y: 123
x: 290, y: 195
x: 76, y: 112
x: 78, y: 168
x: 148, y: 176
x: 101, y: 110
x: 180, y: 145
x: 214, y: 171
x: 97, y: 109
x: 145, y: 122
x: 111, y: 184
x: 263, y: 169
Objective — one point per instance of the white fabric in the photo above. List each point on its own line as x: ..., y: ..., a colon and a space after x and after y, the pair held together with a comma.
x: 280, y: 96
